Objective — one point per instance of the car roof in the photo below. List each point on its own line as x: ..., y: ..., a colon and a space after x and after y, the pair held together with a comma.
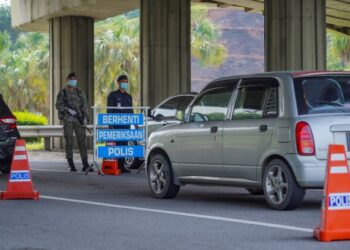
x: 294, y: 74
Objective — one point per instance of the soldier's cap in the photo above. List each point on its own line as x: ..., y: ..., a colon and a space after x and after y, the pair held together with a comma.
x: 71, y: 75
x: 122, y: 77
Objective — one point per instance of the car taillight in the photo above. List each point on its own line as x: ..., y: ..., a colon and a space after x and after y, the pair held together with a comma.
x: 304, y: 139
x: 10, y: 121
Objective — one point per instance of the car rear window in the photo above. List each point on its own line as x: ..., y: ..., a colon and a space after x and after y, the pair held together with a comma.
x: 322, y: 94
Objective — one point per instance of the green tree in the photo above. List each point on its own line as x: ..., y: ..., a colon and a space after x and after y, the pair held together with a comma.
x: 116, y: 52
x: 205, y: 44
x: 117, y: 49
x: 338, y: 51
x: 24, y: 69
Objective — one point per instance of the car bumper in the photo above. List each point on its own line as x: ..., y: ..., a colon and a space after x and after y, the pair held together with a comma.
x: 308, y: 170
x: 7, y: 147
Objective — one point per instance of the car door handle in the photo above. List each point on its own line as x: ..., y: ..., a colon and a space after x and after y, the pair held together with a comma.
x: 164, y: 123
x: 263, y: 128
x: 214, y: 129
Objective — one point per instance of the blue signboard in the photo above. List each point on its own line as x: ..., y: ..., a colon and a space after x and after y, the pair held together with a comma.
x: 120, y: 151
x: 339, y: 201
x: 20, y: 176
x: 120, y: 119
x: 120, y: 135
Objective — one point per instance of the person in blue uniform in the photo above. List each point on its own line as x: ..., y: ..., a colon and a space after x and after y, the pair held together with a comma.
x: 120, y: 98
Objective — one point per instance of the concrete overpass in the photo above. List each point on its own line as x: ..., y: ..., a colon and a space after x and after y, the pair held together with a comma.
x: 295, y: 37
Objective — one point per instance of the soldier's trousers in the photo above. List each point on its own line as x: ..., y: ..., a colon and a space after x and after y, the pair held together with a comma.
x: 80, y: 133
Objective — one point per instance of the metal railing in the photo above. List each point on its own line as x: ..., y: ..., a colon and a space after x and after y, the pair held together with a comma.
x: 45, y: 131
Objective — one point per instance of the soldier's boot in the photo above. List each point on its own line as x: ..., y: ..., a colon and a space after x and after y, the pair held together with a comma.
x: 86, y: 166
x: 71, y: 165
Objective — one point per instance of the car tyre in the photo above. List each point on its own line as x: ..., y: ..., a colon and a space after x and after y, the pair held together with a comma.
x: 133, y: 163
x: 5, y: 165
x: 255, y: 191
x: 280, y: 188
x: 160, y: 177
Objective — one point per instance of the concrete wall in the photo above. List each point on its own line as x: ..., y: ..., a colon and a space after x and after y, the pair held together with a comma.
x: 34, y: 15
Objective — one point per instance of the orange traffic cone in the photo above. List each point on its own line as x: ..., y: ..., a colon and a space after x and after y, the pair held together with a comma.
x: 335, y: 217
x: 110, y: 166
x: 20, y: 184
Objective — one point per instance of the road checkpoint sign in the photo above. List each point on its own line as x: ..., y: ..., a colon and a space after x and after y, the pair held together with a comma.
x: 114, y: 127
x: 120, y: 135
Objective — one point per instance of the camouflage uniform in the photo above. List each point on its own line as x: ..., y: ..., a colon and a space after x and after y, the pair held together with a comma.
x: 67, y: 99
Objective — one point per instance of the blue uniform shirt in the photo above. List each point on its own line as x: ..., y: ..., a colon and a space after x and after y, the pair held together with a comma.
x: 119, y: 99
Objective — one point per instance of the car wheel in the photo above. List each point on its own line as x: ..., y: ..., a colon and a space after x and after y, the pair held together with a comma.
x: 255, y: 191
x: 160, y: 177
x: 133, y: 163
x: 280, y: 188
x: 5, y: 165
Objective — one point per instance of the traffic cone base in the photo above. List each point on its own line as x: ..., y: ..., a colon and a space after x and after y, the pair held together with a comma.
x: 110, y: 167
x: 331, y: 235
x: 20, y: 184
x: 335, y: 215
x: 20, y: 195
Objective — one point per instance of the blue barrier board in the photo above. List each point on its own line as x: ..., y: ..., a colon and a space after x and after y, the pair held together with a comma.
x: 120, y: 151
x: 120, y: 119
x: 120, y: 135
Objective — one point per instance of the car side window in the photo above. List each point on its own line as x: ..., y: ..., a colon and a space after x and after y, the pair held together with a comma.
x: 170, y: 107
x: 167, y: 109
x: 213, y: 103
x: 256, y: 100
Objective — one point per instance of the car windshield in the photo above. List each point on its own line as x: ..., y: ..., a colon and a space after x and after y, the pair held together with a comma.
x: 326, y: 94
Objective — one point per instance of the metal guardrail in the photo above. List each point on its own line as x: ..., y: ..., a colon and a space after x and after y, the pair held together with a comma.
x: 45, y: 131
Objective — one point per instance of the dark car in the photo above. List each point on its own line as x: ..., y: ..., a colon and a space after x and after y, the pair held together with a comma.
x: 8, y: 136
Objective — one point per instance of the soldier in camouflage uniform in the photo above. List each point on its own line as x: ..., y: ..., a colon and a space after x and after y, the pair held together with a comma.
x: 73, y: 111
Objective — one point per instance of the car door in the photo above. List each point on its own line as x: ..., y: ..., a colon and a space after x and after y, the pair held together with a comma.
x: 198, y: 142
x: 249, y: 131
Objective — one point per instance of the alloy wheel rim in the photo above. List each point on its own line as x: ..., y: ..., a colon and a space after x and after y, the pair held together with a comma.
x: 157, y: 176
x: 276, y: 184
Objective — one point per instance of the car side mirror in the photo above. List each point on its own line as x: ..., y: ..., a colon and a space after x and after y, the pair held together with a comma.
x: 180, y: 115
x: 150, y: 115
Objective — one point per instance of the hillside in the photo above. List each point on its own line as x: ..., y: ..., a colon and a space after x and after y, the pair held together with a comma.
x: 243, y: 36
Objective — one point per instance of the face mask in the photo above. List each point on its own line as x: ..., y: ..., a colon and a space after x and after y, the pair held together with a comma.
x: 72, y: 83
x: 124, y: 85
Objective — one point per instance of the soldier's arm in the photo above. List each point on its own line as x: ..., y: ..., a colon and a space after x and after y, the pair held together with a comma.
x: 84, y: 105
x: 60, y: 106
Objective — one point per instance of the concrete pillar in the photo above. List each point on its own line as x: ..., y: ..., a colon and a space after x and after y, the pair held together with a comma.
x: 295, y: 35
x: 71, y: 49
x: 165, y: 49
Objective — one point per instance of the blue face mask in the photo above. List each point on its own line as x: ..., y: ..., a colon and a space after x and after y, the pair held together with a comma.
x: 72, y: 83
x: 124, y: 85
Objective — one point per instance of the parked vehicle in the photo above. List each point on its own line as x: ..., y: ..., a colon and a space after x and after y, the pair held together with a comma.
x: 163, y: 114
x: 8, y: 136
x: 268, y: 133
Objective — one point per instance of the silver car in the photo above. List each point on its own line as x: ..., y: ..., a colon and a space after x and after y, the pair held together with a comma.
x: 268, y: 133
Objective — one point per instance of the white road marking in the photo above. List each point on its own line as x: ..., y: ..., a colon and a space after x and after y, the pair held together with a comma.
x: 193, y: 215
